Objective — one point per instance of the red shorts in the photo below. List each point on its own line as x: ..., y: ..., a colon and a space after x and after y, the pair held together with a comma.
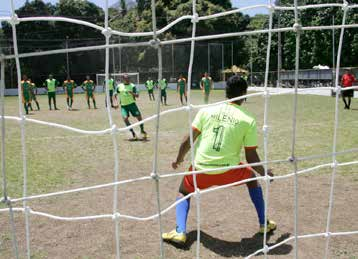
x: 207, y: 180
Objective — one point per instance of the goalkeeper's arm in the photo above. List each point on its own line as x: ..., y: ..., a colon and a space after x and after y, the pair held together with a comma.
x: 253, y: 157
x: 184, y: 148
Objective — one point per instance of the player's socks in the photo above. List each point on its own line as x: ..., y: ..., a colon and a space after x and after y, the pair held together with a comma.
x: 258, y: 200
x: 26, y: 108
x: 38, y: 105
x: 142, y: 127
x: 88, y: 103
x: 182, y: 210
x: 94, y: 104
x: 68, y: 102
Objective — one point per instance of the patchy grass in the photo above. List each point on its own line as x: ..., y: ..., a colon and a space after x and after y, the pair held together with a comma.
x: 56, y: 157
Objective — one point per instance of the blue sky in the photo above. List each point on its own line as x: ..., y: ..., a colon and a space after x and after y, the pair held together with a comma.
x: 5, y: 8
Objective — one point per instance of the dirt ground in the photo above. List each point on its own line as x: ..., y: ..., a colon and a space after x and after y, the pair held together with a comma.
x: 228, y: 218
x: 228, y: 223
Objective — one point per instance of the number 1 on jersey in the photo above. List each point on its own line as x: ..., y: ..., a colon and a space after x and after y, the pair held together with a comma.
x: 219, y: 133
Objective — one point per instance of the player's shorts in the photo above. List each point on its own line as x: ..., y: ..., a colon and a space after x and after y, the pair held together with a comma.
x: 163, y: 93
x: 33, y: 96
x: 150, y: 91
x: 206, y: 91
x: 110, y: 93
x: 26, y: 98
x: 132, y: 108
x: 70, y: 94
x: 51, y: 94
x: 348, y: 93
x: 205, y: 181
x: 90, y: 95
x: 182, y: 92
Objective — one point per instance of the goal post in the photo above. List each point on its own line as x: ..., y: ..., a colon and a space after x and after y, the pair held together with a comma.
x: 133, y: 76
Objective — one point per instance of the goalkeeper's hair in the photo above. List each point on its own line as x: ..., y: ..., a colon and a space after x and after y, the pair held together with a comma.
x: 235, y: 86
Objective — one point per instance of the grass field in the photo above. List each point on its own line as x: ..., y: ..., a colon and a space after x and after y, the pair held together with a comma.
x: 60, y: 160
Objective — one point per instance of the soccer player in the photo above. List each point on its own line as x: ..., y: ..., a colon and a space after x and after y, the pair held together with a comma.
x: 127, y: 97
x: 33, y: 93
x: 347, y: 81
x: 206, y: 85
x: 163, y: 85
x: 220, y: 133
x: 149, y: 84
x: 89, y: 87
x: 68, y: 86
x: 25, y: 91
x: 111, y: 87
x: 181, y: 88
x: 51, y: 84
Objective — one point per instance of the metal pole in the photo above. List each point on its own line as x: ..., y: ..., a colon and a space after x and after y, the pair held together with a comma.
x: 232, y: 54
x: 222, y: 58
x: 67, y: 59
x: 120, y: 56
x: 279, y: 50
x: 250, y: 60
x: 173, y: 60
x: 113, y: 60
x: 209, y: 58
x: 333, y: 54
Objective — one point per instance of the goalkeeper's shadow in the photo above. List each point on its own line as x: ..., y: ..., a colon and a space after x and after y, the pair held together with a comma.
x: 242, y: 248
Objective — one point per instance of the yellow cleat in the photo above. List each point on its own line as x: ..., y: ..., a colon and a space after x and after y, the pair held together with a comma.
x: 174, y: 236
x: 271, y: 226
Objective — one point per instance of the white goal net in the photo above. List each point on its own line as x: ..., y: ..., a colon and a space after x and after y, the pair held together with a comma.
x: 20, y: 205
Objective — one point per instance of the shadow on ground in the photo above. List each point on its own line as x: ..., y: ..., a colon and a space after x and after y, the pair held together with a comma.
x: 242, y: 248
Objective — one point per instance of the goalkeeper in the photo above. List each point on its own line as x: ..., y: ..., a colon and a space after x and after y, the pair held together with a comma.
x: 127, y: 97
x: 221, y: 132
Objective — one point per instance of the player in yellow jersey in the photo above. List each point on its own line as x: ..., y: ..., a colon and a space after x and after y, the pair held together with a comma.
x: 127, y: 93
x: 50, y: 85
x: 69, y: 86
x: 219, y: 133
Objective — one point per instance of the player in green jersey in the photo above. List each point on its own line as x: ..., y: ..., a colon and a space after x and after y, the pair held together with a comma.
x: 111, y: 87
x: 163, y: 85
x: 219, y: 133
x: 206, y: 85
x: 50, y: 85
x: 33, y: 93
x: 89, y: 87
x: 127, y: 93
x: 181, y: 88
x: 25, y: 92
x: 149, y: 84
x: 69, y: 86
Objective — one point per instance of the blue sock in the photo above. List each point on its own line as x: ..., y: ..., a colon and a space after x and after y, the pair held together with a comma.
x: 182, y: 210
x: 258, y: 200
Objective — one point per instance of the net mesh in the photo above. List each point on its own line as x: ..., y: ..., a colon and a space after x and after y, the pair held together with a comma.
x: 154, y: 176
